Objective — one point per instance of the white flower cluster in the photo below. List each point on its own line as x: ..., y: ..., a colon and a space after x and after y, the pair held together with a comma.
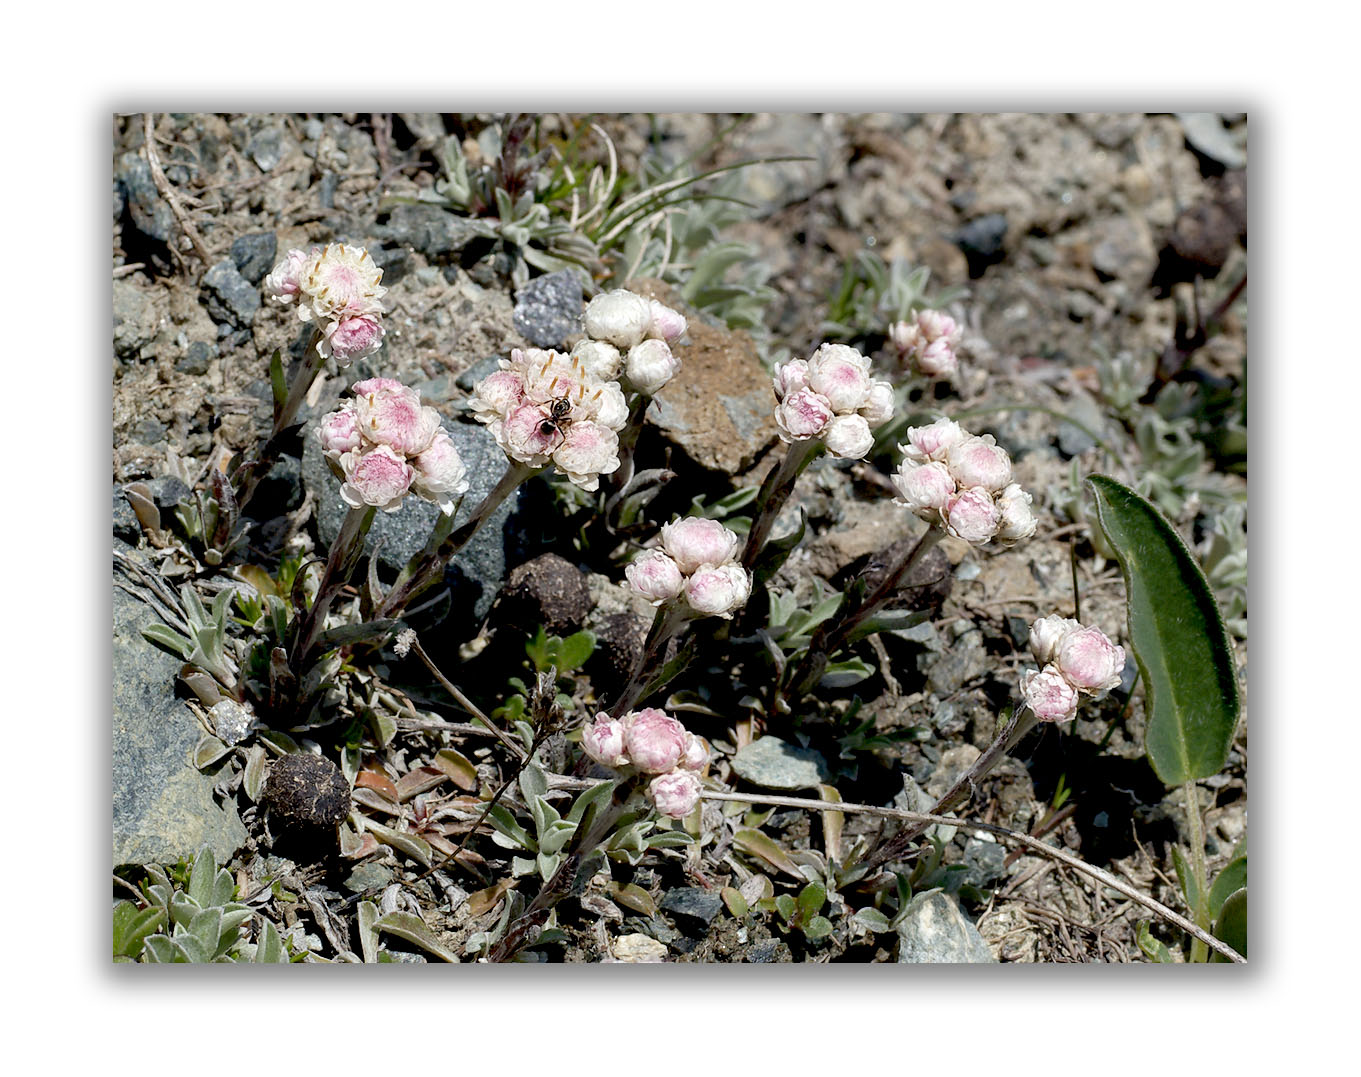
x: 930, y: 343
x: 630, y: 337
x: 655, y: 743
x: 698, y: 560
x: 962, y: 482
x: 546, y: 407
x: 384, y: 443
x: 830, y: 395
x: 337, y: 287
x: 1077, y: 661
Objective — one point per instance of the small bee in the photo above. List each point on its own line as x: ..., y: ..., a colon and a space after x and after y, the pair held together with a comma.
x: 559, y: 417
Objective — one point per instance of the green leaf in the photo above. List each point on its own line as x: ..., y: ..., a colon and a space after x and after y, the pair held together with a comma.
x: 594, y: 797
x: 368, y: 934
x: 270, y: 949
x: 200, y: 888
x: 811, y: 899
x: 1190, y: 885
x: 131, y: 926
x: 1232, y: 925
x: 1233, y: 877
x: 409, y: 926
x: 416, y: 848
x: 276, y: 381
x: 575, y: 650
x: 1152, y: 948
x: 754, y: 843
x: 819, y: 927
x: 784, y: 905
x: 170, y: 640
x: 532, y: 782
x: 1177, y: 635
x: 345, y: 635
x: 872, y: 919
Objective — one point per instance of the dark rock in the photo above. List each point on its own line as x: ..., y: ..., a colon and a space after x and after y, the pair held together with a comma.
x: 134, y: 319
x: 619, y: 640
x: 693, y: 903
x: 982, y: 241
x: 772, y: 763
x: 163, y: 807
x: 280, y: 491
x: 147, y: 432
x: 125, y: 525
x: 763, y: 953
x: 985, y: 863
x: 479, y: 569
x: 307, y: 791
x: 395, y: 262
x: 196, y: 358
x: 150, y: 214
x: 548, y: 309
x: 228, y: 296
x: 935, y: 931
x: 548, y: 591
x: 254, y: 255
x: 167, y: 491
x: 925, y: 586
x: 429, y: 229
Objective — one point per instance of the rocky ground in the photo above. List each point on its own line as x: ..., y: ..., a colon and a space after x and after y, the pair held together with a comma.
x: 1095, y: 261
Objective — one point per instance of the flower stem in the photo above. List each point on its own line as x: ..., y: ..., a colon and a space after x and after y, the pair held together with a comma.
x: 1200, y: 913
x: 670, y: 618
x: 340, y: 563
x: 832, y: 634
x: 431, y: 564
x: 774, y: 493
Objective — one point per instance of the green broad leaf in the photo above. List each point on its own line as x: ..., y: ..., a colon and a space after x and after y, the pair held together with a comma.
x: 594, y: 798
x: 736, y: 903
x: 458, y: 767
x: 844, y: 674
x: 872, y: 919
x: 163, y: 950
x: 131, y: 926
x: 811, y: 899
x: 819, y: 927
x: 277, y: 382
x: 201, y: 873
x: 206, y: 927
x: 1152, y: 948
x: 888, y: 621
x: 547, y: 865
x: 575, y: 650
x: 368, y: 934
x: 509, y: 834
x: 532, y: 782
x: 1234, y: 876
x: 270, y: 949
x: 254, y: 777
x: 754, y: 843
x: 784, y: 905
x: 416, y: 848
x: 190, y: 948
x: 667, y: 839
x: 555, y: 836
x: 171, y: 640
x: 633, y: 896
x: 1232, y: 925
x: 1177, y: 635
x: 412, y: 928
x: 345, y: 635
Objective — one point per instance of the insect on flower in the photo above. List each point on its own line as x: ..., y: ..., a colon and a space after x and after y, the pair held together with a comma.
x: 559, y: 417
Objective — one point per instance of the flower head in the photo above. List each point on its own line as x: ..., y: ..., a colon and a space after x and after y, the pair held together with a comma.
x: 1077, y: 661
x: 440, y: 473
x: 339, y: 282
x: 378, y: 477
x: 667, y: 324
x: 618, y: 317
x: 285, y: 278
x: 1046, y: 635
x: 675, y: 794
x: 972, y: 515
x: 338, y: 432
x: 930, y: 343
x: 603, y: 741
x: 655, y: 576
x: 1049, y: 695
x: 720, y: 591
x: 1090, y: 661
x: 980, y: 461
x: 933, y: 442
x: 351, y: 339
x: 924, y: 488
x: 650, y: 365
x: 1018, y: 522
x: 694, y: 541
x: 655, y: 741
x: 395, y: 417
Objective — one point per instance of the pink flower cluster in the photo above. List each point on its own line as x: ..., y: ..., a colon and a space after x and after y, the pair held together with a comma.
x: 1077, y: 661
x: 930, y: 343
x: 545, y: 407
x: 384, y: 443
x: 830, y: 395
x: 653, y: 742
x: 948, y: 476
x: 337, y: 287
x: 631, y: 336
x: 698, y: 559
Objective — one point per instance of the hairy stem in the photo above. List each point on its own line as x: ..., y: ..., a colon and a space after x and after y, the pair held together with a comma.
x: 1200, y: 912
x: 774, y: 493
x: 340, y: 563
x: 670, y: 618
x: 248, y: 475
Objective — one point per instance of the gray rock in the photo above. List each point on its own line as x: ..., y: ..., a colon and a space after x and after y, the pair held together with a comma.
x: 196, y: 358
x: 254, y: 255
x: 818, y: 138
x: 693, y: 903
x: 548, y: 309
x: 983, y: 242
x: 936, y: 931
x: 428, y: 229
x: 763, y: 953
x: 147, y: 432
x: 167, y: 491
x: 963, y: 659
x: 134, y: 319
x: 125, y: 525
x: 266, y: 148
x: 774, y: 764
x: 985, y: 863
x: 150, y: 214
x: 1123, y: 249
x: 480, y: 568
x: 163, y: 807
x: 1206, y: 133
x: 395, y: 262
x: 228, y: 296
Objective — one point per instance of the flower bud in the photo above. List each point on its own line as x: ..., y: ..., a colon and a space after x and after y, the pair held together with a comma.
x: 440, y: 473
x: 849, y: 437
x: 1090, y: 661
x: 338, y: 433
x: 937, y: 325
x: 603, y: 740
x: 980, y: 461
x: 600, y: 360
x: 696, y: 753
x: 395, y: 417
x: 904, y: 336
x: 351, y: 339
x: 933, y: 442
x: 283, y: 281
x: 972, y: 516
x: 496, y: 395
x: 655, y: 741
x: 675, y: 794
x: 588, y: 450
x: 667, y: 324
x: 924, y: 487
x: 618, y: 317
x: 937, y: 360
x: 1047, y: 634
x: 650, y: 365
x: 694, y: 541
x: 801, y: 415
x: 375, y: 385
x: 840, y: 378
x: 378, y: 477
x: 1049, y: 695
x: 718, y: 592
x: 878, y: 406
x: 655, y: 576
x: 1018, y: 522
x: 790, y: 376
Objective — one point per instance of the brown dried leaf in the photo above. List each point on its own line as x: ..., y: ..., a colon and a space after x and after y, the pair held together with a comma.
x: 373, y: 779
x: 459, y: 769
x: 485, y: 900
x: 417, y: 781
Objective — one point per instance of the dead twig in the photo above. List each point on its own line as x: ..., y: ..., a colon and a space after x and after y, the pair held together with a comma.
x: 168, y: 192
